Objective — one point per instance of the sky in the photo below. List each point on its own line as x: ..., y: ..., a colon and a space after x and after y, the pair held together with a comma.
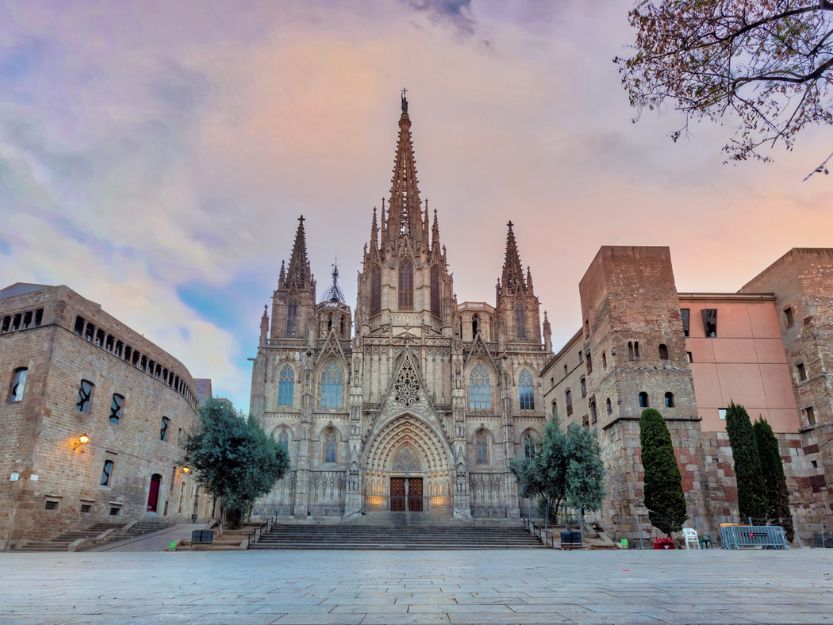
x: 155, y: 156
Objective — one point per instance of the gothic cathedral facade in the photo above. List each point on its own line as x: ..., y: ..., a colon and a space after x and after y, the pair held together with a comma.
x: 419, y: 402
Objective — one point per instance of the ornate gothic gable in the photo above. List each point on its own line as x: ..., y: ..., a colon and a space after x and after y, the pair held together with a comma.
x: 479, y: 349
x: 331, y: 347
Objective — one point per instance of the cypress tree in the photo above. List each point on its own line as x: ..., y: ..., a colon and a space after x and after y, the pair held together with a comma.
x: 772, y: 468
x: 752, y: 500
x: 663, y: 485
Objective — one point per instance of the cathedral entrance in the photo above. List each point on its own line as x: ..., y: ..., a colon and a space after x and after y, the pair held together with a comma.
x: 406, y: 494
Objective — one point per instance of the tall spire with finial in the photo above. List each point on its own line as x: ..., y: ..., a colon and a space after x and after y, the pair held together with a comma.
x: 299, y: 274
x: 334, y: 294
x: 435, y: 234
x: 404, y: 211
x: 374, y: 234
x: 513, y: 273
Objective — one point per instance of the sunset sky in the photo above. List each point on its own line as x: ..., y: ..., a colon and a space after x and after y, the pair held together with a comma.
x: 155, y: 158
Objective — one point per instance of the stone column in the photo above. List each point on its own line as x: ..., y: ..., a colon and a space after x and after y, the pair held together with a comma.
x: 301, y: 508
x: 459, y: 472
x: 353, y: 498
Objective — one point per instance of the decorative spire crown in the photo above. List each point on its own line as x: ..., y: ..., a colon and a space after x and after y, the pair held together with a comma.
x: 299, y: 274
x: 513, y: 273
x: 333, y: 295
x: 404, y: 210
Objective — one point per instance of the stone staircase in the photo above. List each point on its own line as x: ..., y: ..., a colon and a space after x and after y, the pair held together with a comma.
x: 391, y: 537
x: 145, y: 525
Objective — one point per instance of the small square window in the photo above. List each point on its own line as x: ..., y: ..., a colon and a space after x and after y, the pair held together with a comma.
x: 50, y: 504
x: 115, y: 510
x: 721, y: 412
x: 86, y: 508
x: 815, y: 464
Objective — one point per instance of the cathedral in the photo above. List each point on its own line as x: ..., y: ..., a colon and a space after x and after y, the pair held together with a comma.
x: 416, y: 403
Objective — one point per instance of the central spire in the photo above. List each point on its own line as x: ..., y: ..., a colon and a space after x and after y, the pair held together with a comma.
x: 299, y: 274
x: 404, y: 210
x: 513, y: 273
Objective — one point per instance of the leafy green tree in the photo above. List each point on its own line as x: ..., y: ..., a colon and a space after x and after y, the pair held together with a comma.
x: 585, y: 470
x: 553, y: 466
x: 233, y: 458
x: 752, y: 499
x: 772, y: 468
x: 663, y: 485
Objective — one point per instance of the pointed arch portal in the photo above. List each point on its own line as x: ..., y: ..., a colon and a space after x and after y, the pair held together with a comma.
x: 407, y: 468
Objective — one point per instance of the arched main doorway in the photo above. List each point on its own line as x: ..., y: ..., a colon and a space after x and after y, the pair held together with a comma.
x: 407, y: 468
x: 153, y: 493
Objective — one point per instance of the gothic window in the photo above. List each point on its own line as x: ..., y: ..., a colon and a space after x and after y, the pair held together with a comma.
x: 406, y: 284
x: 18, y: 386
x: 526, y: 390
x: 593, y: 414
x: 375, y: 290
x: 643, y: 400
x: 669, y: 400
x: 663, y: 351
x: 529, y: 445
x: 286, y: 386
x: 164, y: 428
x: 435, y: 291
x: 331, y: 386
x: 520, y: 321
x: 480, y: 389
x: 106, y: 473
x: 330, y: 447
x: 283, y: 439
x: 583, y: 385
x: 115, y: 408
x: 291, y: 318
x: 475, y: 325
x: 85, y: 396
x: 482, y: 447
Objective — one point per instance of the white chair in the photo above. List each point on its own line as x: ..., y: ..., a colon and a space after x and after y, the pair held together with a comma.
x: 690, y: 535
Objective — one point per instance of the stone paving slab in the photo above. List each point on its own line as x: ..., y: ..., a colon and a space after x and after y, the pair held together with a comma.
x: 417, y: 588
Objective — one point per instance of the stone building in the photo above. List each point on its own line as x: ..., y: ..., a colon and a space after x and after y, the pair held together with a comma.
x: 642, y: 343
x: 421, y: 407
x: 93, y: 415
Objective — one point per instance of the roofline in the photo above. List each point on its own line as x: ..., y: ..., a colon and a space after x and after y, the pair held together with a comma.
x: 562, y: 351
x: 749, y: 297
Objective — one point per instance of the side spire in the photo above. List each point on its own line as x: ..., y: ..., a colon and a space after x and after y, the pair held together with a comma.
x: 334, y: 294
x: 435, y: 233
x: 374, y: 233
x: 513, y: 273
x: 299, y: 274
x: 404, y: 210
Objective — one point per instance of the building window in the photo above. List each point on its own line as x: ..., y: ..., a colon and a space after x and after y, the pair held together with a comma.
x: 608, y: 406
x: 585, y: 421
x: 689, y: 357
x: 520, y: 321
x: 663, y: 351
x: 435, y: 291
x: 669, y: 400
x: 291, y: 318
x: 583, y: 384
x: 568, y: 399
x: 115, y: 510
x: 50, y: 504
x: 286, y: 386
x: 529, y: 445
x: 18, y: 385
x: 685, y: 317
x: 643, y: 400
x: 633, y: 350
x: 604, y: 360
x: 163, y: 429
x: 86, y: 508
x: 375, y: 290
x: 482, y: 447
x: 710, y: 322
x: 588, y: 362
x: 811, y: 415
x: 480, y: 389
x: 283, y: 439
x: 85, y: 396
x: 107, y: 473
x: 565, y: 369
x: 115, y: 408
x: 406, y: 284
x: 330, y: 446
x: 802, y: 372
x: 554, y: 410
x: 789, y: 320
x: 526, y: 390
x: 721, y: 413
x: 593, y: 415
x: 331, y: 386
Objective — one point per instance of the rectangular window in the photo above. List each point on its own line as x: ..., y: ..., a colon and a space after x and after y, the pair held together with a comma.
x: 18, y: 386
x: 710, y: 322
x: 114, y: 510
x: 38, y: 317
x: 801, y: 371
x: 568, y: 396
x: 588, y: 362
x: 107, y: 473
x: 789, y: 320
x: 50, y: 504
x: 721, y: 413
x: 115, y: 408
x: 79, y: 325
x: 811, y: 415
x: 583, y: 383
x: 86, y: 508
x: 163, y: 431
x: 7, y: 322
x: 555, y: 410
x: 685, y: 317
x: 85, y: 396
x: 689, y: 357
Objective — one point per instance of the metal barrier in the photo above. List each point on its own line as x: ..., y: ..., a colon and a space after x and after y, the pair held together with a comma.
x: 753, y: 537
x: 823, y: 539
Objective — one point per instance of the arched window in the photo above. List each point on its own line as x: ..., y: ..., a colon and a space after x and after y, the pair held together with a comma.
x: 85, y: 396
x: 330, y: 447
x: 283, y: 439
x: 482, y: 447
x: 286, y: 386
x: 643, y: 400
x: 480, y: 389
x: 529, y: 445
x: 593, y: 414
x: 406, y: 284
x: 520, y: 320
x: 669, y: 400
x: 18, y: 386
x: 663, y: 351
x: 291, y: 318
x: 526, y: 390
x: 115, y: 408
x: 331, y: 386
x: 608, y: 406
x: 435, y: 291
x: 475, y: 325
x: 375, y: 290
x: 107, y: 473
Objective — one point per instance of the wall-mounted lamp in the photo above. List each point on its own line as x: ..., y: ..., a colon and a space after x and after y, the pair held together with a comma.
x: 186, y: 470
x: 82, y: 440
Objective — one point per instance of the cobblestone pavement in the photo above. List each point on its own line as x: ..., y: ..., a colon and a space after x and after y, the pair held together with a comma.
x: 348, y: 587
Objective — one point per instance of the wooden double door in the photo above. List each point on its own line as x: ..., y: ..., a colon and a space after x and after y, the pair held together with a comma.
x: 406, y: 494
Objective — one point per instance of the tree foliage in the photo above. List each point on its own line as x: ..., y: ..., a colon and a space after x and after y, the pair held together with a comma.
x: 768, y: 63
x: 233, y: 457
x: 585, y: 470
x: 663, y: 485
x: 752, y: 499
x: 772, y: 468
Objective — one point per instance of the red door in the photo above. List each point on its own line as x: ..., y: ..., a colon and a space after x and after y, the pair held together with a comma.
x: 153, y: 495
x: 397, y: 494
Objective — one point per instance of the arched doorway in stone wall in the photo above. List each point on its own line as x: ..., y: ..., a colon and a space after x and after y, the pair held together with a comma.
x: 407, y: 468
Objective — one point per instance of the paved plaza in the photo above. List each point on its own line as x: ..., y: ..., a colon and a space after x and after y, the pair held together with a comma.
x: 348, y: 587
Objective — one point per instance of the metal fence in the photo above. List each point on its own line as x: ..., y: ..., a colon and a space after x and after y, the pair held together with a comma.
x: 753, y: 537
